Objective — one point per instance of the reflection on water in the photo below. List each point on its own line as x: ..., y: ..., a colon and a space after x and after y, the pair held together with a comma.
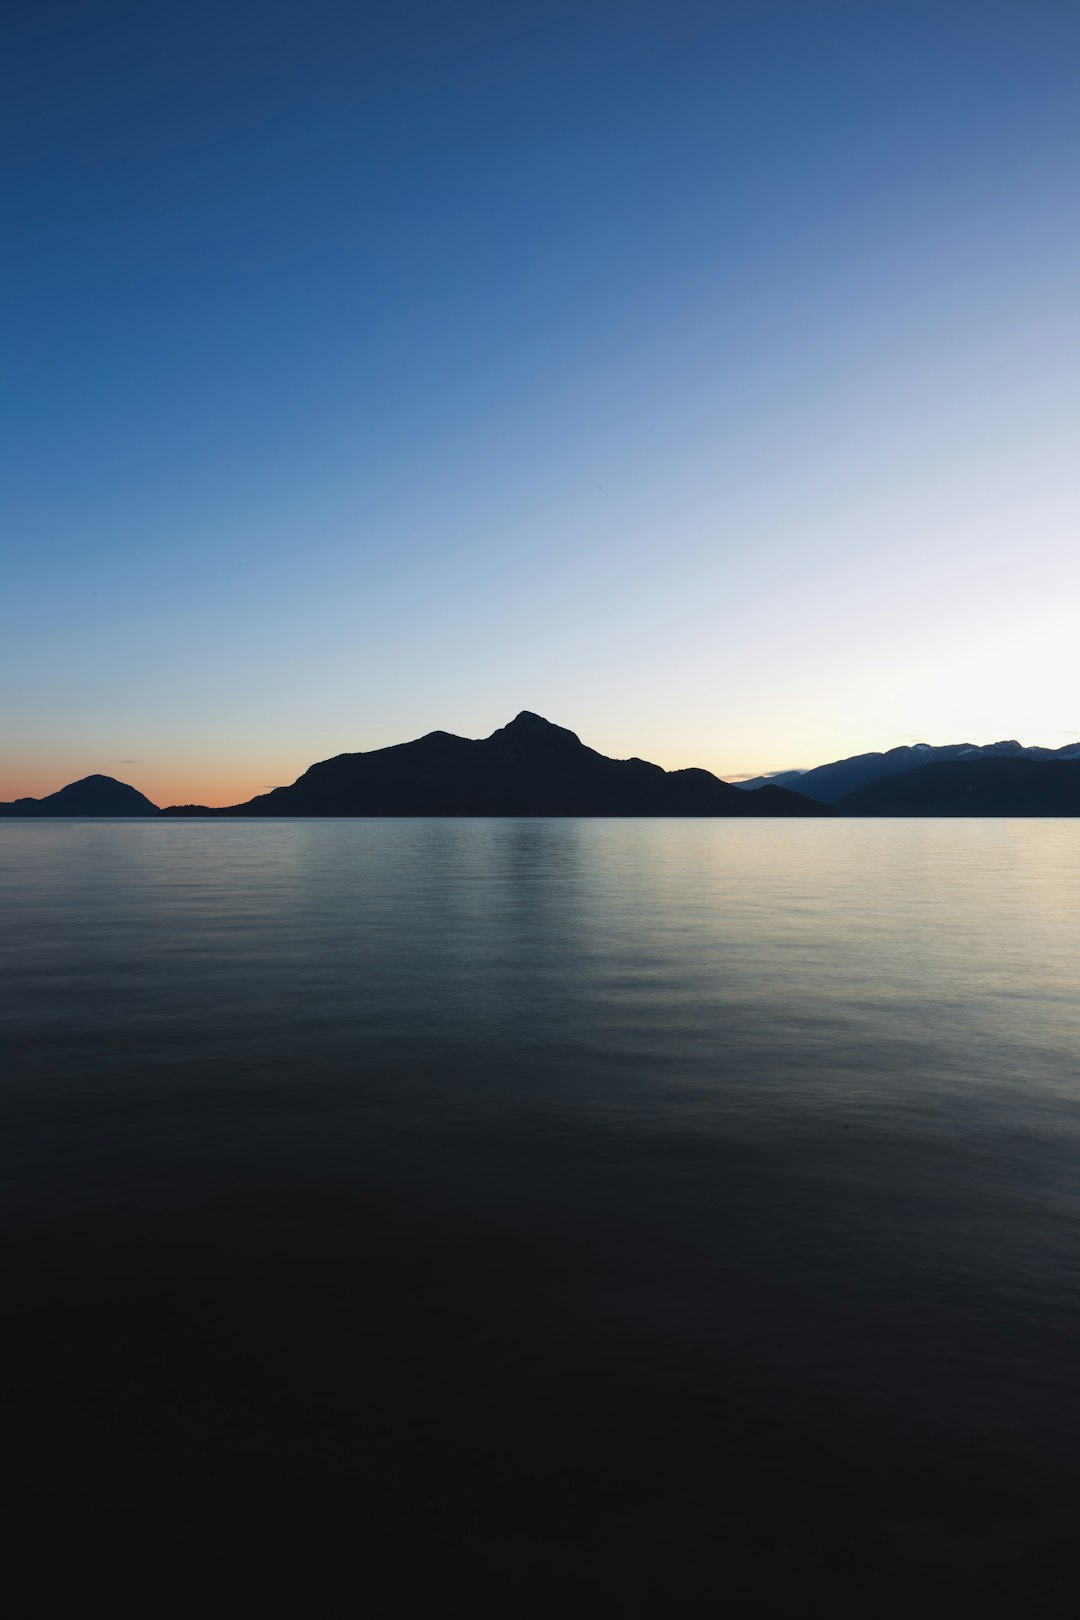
x: 639, y: 1167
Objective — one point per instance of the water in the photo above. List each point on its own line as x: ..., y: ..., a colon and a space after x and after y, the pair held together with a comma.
x: 640, y: 1216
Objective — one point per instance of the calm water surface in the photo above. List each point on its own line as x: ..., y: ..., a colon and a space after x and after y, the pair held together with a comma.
x: 639, y: 1216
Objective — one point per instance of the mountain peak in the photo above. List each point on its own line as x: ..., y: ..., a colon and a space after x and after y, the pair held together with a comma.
x: 527, y: 727
x: 528, y: 721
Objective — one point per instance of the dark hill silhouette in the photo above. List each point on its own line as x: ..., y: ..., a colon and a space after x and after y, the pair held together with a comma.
x: 92, y: 796
x: 829, y: 783
x: 973, y: 787
x: 527, y: 768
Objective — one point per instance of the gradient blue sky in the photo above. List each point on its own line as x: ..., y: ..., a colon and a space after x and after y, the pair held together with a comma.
x: 703, y: 376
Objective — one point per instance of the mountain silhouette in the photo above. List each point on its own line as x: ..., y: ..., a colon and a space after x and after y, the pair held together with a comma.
x: 527, y: 768
x: 92, y: 796
x: 994, y: 786
x: 789, y: 779
x: 830, y: 783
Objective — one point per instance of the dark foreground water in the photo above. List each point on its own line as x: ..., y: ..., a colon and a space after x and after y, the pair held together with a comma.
x: 535, y: 1217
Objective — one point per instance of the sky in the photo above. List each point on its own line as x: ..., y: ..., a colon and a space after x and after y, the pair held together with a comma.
x: 705, y: 377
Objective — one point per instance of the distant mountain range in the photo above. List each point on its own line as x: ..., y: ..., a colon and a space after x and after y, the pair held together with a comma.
x: 527, y: 768
x: 92, y: 796
x: 832, y: 783
x: 533, y: 768
x: 992, y: 786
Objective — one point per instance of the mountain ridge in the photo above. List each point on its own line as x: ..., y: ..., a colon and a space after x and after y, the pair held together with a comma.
x: 1000, y: 785
x: 532, y: 767
x: 528, y: 767
x: 830, y: 782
